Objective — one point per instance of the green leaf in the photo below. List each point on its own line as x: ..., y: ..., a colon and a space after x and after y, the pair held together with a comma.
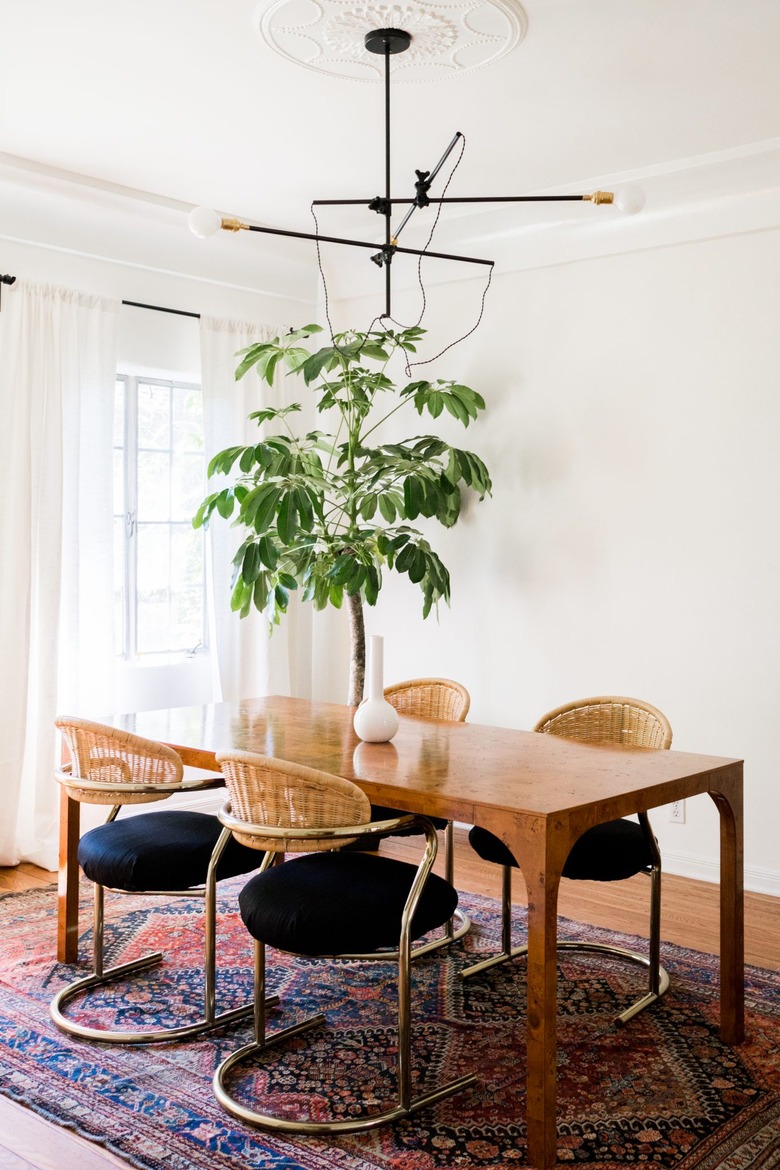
x: 413, y: 497
x: 251, y: 563
x: 266, y: 508
x: 372, y: 585
x: 368, y: 507
x: 305, y: 509
x: 313, y: 367
x: 287, y: 517
x: 267, y: 552
x: 341, y: 570
x: 224, y: 460
x: 224, y: 502
x: 387, y: 507
x: 257, y: 355
x: 406, y: 558
x: 335, y: 596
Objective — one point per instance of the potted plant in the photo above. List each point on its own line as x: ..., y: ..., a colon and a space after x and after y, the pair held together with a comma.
x: 328, y: 513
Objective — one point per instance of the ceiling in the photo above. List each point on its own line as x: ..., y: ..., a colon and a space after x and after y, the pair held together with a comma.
x: 184, y: 103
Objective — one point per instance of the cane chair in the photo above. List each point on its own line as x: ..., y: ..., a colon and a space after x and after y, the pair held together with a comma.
x: 329, y: 902
x: 609, y: 852
x: 160, y: 853
x: 448, y: 701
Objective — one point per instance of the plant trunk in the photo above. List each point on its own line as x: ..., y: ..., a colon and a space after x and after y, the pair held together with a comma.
x: 357, y: 665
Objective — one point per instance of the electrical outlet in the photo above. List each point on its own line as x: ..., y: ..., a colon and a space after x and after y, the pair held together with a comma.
x: 677, y: 812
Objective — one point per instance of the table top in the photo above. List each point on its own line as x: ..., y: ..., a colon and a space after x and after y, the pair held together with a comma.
x: 444, y: 769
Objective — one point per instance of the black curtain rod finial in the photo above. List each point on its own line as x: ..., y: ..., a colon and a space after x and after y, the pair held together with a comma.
x: 7, y: 279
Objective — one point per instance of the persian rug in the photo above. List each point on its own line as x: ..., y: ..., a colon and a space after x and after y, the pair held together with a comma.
x: 662, y: 1091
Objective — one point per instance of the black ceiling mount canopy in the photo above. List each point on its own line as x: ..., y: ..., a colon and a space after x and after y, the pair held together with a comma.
x: 388, y: 42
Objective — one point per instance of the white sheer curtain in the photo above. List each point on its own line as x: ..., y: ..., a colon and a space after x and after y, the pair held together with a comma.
x: 249, y: 662
x: 57, y: 373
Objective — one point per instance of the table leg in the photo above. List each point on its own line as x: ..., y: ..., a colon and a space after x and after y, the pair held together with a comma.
x: 542, y: 878
x: 68, y: 884
x: 728, y: 799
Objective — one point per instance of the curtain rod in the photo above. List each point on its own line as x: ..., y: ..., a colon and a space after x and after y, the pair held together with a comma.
x: 6, y: 279
x: 162, y: 309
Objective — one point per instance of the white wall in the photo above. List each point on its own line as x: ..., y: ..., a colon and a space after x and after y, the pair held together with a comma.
x: 632, y: 544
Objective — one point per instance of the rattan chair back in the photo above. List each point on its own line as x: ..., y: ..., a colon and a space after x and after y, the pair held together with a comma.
x: 269, y: 792
x: 430, y: 698
x: 609, y: 719
x: 116, y: 765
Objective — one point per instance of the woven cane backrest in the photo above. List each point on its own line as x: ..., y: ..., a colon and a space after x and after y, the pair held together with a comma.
x: 274, y: 793
x: 431, y: 698
x: 106, y: 756
x: 609, y: 719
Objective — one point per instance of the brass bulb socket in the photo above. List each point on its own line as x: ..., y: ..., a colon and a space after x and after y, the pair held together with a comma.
x: 601, y: 197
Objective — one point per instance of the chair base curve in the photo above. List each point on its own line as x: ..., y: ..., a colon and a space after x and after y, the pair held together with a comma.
x: 300, y: 1125
x: 149, y: 1036
x: 450, y: 935
x: 645, y: 1001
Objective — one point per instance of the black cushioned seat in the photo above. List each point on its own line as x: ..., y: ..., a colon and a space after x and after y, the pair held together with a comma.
x: 160, y: 851
x: 606, y: 853
x: 327, y: 903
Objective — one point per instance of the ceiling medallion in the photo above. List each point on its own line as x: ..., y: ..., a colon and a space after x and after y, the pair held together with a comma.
x: 448, y: 38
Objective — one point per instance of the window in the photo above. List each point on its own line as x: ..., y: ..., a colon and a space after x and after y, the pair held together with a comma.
x: 159, y: 474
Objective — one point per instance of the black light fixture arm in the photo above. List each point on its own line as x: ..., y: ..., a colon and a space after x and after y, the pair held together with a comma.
x: 593, y: 197
x: 237, y: 225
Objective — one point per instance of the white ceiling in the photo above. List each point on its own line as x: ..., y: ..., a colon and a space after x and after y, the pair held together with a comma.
x: 183, y: 101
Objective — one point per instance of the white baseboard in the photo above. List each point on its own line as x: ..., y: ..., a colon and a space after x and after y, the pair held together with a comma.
x: 703, y: 869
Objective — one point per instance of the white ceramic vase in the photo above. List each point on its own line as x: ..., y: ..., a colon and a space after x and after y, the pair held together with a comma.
x: 376, y: 720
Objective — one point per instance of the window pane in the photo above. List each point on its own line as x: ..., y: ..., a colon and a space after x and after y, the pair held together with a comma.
x: 187, y: 489
x: 186, y: 558
x: 187, y: 419
x: 152, y: 590
x: 154, y: 469
x: 153, y: 416
x: 162, y: 483
x: 186, y: 619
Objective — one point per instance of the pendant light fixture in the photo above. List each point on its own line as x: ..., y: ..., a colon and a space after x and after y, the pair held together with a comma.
x: 387, y: 42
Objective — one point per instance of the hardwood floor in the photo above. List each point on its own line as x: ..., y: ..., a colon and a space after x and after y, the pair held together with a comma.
x: 689, y: 918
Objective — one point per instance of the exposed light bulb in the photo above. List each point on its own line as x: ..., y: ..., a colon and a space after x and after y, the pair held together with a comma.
x: 204, y: 222
x: 629, y: 198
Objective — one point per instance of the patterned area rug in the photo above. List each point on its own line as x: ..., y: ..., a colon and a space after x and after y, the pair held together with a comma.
x: 663, y: 1091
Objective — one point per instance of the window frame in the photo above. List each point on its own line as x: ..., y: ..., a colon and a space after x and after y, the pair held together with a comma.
x: 128, y: 636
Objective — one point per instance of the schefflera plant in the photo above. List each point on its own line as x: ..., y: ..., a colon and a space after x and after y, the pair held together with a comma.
x: 328, y: 513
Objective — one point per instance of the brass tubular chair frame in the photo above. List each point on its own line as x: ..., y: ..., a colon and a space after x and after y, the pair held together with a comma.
x: 102, y: 974
x: 408, y: 704
x: 406, y: 1104
x: 657, y: 976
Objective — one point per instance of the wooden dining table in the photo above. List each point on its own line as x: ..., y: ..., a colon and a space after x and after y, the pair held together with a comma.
x: 538, y: 793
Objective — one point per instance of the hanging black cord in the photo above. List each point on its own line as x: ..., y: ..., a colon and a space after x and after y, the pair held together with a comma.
x: 455, y: 166
x: 410, y: 365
